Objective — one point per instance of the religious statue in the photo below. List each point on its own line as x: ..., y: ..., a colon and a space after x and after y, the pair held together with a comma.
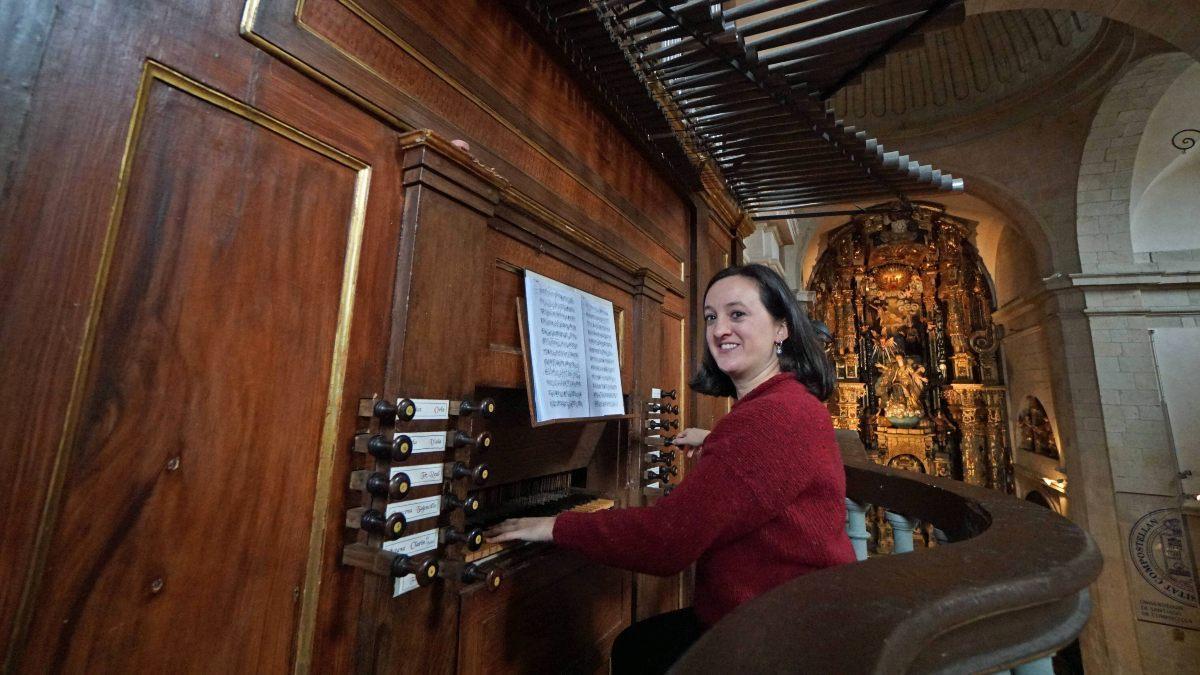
x: 900, y: 385
x: 1036, y: 434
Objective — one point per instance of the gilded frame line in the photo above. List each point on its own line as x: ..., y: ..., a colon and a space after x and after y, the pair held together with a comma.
x: 155, y: 72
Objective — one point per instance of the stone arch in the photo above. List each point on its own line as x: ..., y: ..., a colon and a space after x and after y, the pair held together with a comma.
x: 1107, y: 166
x: 1042, y: 499
x: 1023, y: 217
x: 1164, y: 200
x: 1038, y: 498
x: 1173, y: 21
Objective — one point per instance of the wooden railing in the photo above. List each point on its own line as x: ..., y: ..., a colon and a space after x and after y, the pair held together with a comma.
x: 1009, y: 588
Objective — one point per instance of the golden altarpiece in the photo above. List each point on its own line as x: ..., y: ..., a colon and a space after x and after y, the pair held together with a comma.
x: 909, y: 304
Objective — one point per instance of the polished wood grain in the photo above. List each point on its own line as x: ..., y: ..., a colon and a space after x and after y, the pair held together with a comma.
x: 350, y: 51
x: 481, y: 45
x: 71, y: 157
x: 558, y: 614
x: 222, y: 301
x: 166, y: 376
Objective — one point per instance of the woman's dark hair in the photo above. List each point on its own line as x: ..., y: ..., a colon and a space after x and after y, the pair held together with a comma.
x: 803, y: 354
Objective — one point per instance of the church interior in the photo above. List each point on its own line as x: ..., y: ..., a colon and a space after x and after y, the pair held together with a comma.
x: 265, y: 372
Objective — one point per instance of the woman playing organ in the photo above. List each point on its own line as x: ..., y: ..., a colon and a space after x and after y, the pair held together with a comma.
x: 765, y: 501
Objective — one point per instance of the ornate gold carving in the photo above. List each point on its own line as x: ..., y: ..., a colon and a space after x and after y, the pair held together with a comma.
x: 916, y: 353
x: 1037, y: 435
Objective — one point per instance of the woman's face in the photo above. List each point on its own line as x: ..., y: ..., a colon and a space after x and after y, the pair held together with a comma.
x: 741, y: 333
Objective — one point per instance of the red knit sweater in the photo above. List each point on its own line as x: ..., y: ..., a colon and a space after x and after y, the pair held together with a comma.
x: 764, y: 504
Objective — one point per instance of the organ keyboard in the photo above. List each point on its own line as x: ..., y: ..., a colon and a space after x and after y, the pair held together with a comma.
x: 537, y: 504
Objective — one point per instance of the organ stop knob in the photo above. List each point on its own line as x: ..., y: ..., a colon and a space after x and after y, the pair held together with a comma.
x: 485, y: 407
x: 469, y: 505
x: 424, y: 570
x: 396, y: 450
x: 492, y: 577
x: 402, y: 410
x: 477, y: 474
x: 375, y: 522
x: 662, y: 472
x: 664, y: 456
x: 471, y: 573
x: 396, y: 487
x: 473, y: 538
x: 483, y: 440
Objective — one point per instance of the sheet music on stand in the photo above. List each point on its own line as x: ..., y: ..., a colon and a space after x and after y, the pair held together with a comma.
x: 571, y: 361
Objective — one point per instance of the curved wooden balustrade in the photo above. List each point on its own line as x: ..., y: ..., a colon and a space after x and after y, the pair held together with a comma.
x: 1010, y: 587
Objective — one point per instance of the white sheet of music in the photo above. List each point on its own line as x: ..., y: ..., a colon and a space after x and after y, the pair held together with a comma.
x: 603, y: 363
x: 573, y: 351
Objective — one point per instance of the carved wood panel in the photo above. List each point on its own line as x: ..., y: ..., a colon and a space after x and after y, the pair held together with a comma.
x: 225, y: 299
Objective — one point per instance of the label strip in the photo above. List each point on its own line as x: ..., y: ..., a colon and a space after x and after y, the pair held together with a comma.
x: 417, y: 509
x: 426, y: 441
x: 413, y: 543
x: 421, y: 474
x: 404, y: 584
x: 431, y: 408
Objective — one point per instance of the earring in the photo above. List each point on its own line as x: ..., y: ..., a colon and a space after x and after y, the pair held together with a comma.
x: 779, y: 348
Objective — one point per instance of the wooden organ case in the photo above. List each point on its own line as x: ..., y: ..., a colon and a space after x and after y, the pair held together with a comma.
x: 461, y: 604
x: 253, y: 244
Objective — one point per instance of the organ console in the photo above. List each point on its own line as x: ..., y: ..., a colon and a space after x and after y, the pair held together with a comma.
x: 420, y: 460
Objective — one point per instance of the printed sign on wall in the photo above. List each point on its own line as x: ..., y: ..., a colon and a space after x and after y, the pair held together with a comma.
x: 1158, y: 550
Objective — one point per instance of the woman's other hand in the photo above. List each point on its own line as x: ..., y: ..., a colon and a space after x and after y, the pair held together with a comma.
x: 522, y: 529
x: 692, y: 437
